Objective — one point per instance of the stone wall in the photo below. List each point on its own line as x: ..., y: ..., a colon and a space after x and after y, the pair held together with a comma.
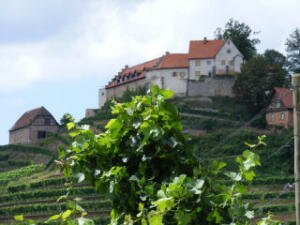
x: 212, y: 86
x: 90, y: 113
x: 21, y: 136
x: 119, y: 90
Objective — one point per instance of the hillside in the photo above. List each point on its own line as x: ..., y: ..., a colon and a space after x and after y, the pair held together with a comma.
x: 219, y: 129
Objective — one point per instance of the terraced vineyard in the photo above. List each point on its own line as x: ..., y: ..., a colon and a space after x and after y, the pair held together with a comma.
x: 29, y: 186
x: 35, y: 194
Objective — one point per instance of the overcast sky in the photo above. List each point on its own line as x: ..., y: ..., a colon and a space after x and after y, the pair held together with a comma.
x: 57, y: 53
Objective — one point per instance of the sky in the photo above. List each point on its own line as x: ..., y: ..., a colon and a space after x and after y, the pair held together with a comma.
x: 58, y: 53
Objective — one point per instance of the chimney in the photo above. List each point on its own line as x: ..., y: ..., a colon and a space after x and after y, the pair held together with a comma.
x: 126, y: 66
x: 205, y: 40
x: 167, y: 53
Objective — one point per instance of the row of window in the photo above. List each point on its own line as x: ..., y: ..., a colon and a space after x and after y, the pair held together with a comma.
x: 127, y: 77
x: 281, y: 116
x: 208, y: 62
x: 178, y: 74
x: 213, y: 72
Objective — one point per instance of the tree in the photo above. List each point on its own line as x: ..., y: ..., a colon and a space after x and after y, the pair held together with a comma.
x: 255, y: 84
x: 66, y: 118
x: 274, y: 57
x: 293, y: 50
x: 240, y: 34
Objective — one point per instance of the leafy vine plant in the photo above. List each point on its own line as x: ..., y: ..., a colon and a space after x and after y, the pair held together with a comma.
x: 146, y: 165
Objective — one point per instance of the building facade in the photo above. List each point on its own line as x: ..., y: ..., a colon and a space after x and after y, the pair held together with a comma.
x: 33, y: 126
x: 280, y: 110
x: 207, y: 69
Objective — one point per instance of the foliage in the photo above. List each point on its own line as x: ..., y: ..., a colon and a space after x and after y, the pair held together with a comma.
x: 255, y: 84
x: 27, y: 149
x: 241, y: 35
x: 206, y: 124
x: 24, y: 171
x: 66, y: 118
x: 20, y: 163
x: 293, y: 50
x: 146, y: 164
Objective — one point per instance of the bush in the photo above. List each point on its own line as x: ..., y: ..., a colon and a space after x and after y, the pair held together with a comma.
x: 19, y: 162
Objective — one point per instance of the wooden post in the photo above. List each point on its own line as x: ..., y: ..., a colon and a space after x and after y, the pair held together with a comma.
x: 296, y: 101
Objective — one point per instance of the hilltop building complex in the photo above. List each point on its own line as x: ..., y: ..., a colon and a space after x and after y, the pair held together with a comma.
x: 207, y: 69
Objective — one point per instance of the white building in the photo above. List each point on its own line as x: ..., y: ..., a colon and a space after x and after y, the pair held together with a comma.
x: 208, y: 69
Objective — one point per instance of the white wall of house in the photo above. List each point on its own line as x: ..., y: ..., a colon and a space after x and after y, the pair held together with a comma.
x: 200, y: 67
x: 228, y: 56
x: 174, y: 79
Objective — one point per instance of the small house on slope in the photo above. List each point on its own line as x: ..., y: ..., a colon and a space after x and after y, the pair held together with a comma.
x: 280, y: 110
x: 33, y: 126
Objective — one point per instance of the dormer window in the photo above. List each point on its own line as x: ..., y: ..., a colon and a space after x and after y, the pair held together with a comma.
x: 277, y: 103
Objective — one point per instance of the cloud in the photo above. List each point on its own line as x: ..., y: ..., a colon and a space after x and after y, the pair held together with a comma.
x: 85, y: 39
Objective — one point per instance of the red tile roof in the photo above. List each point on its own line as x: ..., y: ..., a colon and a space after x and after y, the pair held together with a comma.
x: 174, y: 61
x: 164, y: 62
x: 28, y: 117
x: 205, y: 49
x: 141, y: 67
x: 285, y: 95
x: 114, y: 83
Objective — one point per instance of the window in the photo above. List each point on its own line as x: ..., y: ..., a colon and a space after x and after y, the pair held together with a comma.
x: 174, y: 74
x: 272, y: 117
x: 41, y: 134
x: 227, y: 70
x: 47, y: 122
x: 197, y: 73
x: 277, y: 103
x: 182, y: 75
x: 231, y: 63
x: 228, y: 51
x: 223, y: 62
x: 282, y: 116
x: 197, y: 62
x: 208, y: 62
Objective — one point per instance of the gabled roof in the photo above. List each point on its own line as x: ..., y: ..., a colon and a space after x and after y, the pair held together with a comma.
x: 205, y: 49
x: 28, y: 117
x: 285, y: 95
x: 174, y: 61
